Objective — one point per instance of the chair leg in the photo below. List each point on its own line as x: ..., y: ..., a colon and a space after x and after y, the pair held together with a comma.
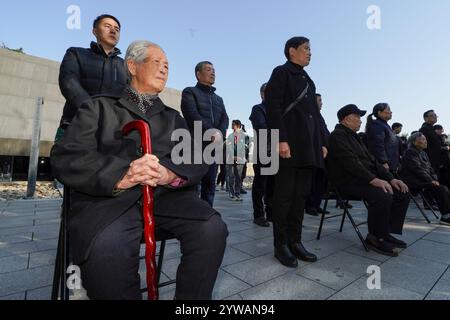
x: 58, y: 265
x: 418, y: 207
x: 322, y: 219
x: 429, y: 205
x: 357, y: 230
x: 343, y: 216
x: 160, y: 260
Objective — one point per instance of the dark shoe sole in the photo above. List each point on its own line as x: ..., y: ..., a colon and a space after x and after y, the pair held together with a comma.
x: 397, y: 245
x: 293, y: 265
x: 307, y: 259
x: 372, y: 247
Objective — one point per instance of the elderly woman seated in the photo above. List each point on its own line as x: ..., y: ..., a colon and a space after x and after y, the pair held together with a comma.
x: 418, y: 174
x: 106, y: 171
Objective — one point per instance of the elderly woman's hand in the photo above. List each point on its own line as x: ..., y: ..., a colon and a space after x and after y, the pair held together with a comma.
x: 145, y: 170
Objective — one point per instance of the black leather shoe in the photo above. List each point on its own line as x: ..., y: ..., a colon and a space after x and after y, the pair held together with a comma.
x: 396, y: 242
x: 285, y: 256
x: 301, y: 253
x: 311, y: 212
x: 243, y: 191
x: 262, y: 222
x: 381, y: 246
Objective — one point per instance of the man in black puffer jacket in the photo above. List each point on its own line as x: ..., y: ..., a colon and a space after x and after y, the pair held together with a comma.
x: 85, y: 73
x: 202, y: 104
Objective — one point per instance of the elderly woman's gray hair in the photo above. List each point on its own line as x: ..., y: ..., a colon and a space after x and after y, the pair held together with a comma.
x: 412, y: 139
x: 138, y: 51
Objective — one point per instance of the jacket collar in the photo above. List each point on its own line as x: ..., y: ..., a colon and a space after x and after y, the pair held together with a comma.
x: 427, y: 125
x: 126, y: 102
x: 98, y: 49
x: 209, y: 89
x: 340, y: 126
x: 294, y: 68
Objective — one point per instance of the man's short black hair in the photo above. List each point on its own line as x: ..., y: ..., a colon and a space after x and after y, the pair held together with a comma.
x: 318, y: 95
x: 426, y: 114
x: 105, y: 16
x: 200, y: 65
x: 294, y: 42
x: 397, y: 125
x: 438, y: 127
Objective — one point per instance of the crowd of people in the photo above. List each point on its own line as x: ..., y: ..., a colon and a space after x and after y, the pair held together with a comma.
x: 105, y: 171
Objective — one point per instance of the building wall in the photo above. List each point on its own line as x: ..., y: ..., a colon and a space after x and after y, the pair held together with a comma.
x: 24, y: 78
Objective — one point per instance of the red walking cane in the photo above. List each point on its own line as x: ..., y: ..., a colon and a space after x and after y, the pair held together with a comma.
x: 147, y: 211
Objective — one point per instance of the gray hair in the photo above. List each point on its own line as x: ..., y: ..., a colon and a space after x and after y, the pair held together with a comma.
x: 138, y: 51
x: 412, y: 139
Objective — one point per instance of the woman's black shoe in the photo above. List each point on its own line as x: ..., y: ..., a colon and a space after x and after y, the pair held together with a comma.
x: 381, y: 246
x: 285, y: 256
x: 301, y: 253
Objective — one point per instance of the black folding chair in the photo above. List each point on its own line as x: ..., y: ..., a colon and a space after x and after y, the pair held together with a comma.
x: 60, y: 289
x: 412, y: 195
x: 333, y: 194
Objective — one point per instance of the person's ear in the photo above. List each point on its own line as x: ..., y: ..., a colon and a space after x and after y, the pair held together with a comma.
x: 291, y: 52
x: 94, y: 32
x: 131, y: 67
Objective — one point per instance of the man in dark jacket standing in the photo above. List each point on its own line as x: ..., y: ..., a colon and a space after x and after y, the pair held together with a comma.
x: 434, y: 141
x: 262, y: 189
x: 419, y: 175
x: 356, y: 173
x: 292, y: 109
x: 88, y: 72
x: 106, y: 171
x: 202, y: 104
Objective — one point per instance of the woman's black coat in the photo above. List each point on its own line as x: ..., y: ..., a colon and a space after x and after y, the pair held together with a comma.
x: 301, y: 127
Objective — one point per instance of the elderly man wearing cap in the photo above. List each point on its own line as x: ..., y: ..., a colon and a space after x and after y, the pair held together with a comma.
x: 355, y: 172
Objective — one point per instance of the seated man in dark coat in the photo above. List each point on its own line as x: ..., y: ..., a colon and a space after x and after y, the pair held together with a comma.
x: 106, y: 171
x: 356, y: 173
x: 418, y: 174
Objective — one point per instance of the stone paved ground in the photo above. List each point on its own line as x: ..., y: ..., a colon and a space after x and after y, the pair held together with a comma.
x: 29, y: 231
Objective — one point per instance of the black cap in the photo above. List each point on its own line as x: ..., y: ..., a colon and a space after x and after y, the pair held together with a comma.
x: 348, y: 110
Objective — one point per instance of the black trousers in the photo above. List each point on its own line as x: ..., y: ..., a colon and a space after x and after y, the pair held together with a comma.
x: 441, y: 195
x: 262, y: 193
x: 318, y: 189
x: 111, y: 271
x: 221, y: 178
x: 292, y: 187
x: 386, y: 212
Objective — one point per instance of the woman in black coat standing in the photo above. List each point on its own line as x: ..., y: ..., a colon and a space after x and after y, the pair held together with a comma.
x: 381, y: 139
x: 292, y: 110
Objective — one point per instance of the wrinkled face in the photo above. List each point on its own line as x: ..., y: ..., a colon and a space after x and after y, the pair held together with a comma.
x: 301, y: 55
x: 386, y: 114
x: 353, y: 122
x: 431, y: 118
x: 107, y: 32
x: 207, y: 75
x: 151, y: 75
x: 319, y: 102
x: 421, y: 143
